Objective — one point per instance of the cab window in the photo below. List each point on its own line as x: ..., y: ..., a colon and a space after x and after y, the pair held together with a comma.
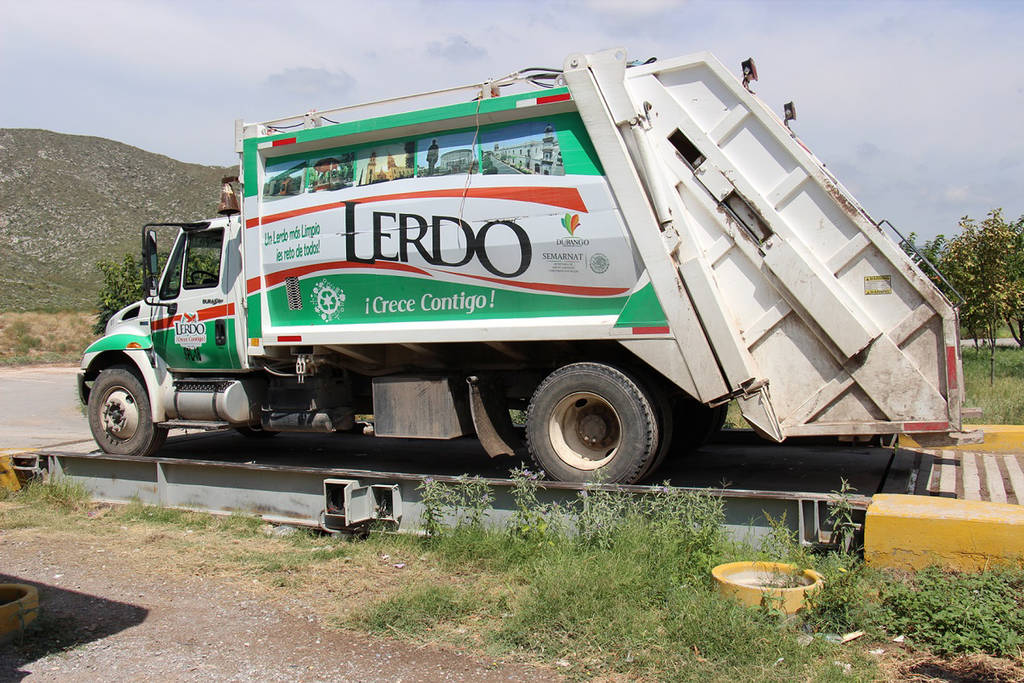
x: 171, y: 284
x: 202, y: 259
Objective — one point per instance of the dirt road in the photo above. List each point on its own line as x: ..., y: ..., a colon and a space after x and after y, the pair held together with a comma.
x: 108, y: 617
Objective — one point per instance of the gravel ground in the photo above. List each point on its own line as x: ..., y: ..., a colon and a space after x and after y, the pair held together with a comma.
x: 104, y: 618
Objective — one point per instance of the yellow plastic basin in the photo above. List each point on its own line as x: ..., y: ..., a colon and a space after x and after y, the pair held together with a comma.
x: 8, y: 477
x: 774, y: 584
x: 19, y: 605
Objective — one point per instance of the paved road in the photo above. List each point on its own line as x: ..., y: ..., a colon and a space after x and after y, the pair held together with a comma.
x: 502, y: 166
x: 1001, y: 342
x: 39, y: 407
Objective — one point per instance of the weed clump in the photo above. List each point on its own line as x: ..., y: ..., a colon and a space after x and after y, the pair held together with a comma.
x: 957, y: 613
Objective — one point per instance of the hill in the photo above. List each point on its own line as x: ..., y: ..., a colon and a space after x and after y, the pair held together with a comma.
x: 68, y: 201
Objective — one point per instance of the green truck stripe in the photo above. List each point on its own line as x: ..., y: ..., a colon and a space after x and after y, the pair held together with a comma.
x: 119, y: 342
x: 642, y: 310
x: 366, y: 298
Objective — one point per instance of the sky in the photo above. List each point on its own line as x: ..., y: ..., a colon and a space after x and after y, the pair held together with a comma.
x: 915, y: 106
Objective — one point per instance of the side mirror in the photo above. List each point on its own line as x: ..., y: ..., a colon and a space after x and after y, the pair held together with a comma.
x: 150, y: 262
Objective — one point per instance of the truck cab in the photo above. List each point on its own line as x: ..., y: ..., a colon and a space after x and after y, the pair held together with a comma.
x: 188, y: 324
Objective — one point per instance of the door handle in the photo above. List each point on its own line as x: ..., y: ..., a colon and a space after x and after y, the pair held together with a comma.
x: 220, y: 334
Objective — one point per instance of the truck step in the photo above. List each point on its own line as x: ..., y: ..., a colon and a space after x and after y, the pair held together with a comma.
x: 206, y: 425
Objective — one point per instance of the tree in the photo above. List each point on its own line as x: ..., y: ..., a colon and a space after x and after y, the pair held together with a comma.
x: 122, y: 285
x: 1015, y: 275
x: 978, y: 263
x: 935, y: 252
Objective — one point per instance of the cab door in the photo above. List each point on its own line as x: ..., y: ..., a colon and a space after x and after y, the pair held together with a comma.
x: 195, y: 327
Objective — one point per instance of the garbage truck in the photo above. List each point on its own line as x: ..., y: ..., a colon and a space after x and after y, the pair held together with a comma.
x: 616, y: 250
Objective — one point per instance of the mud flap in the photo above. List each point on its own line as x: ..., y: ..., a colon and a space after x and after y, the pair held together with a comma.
x: 491, y: 420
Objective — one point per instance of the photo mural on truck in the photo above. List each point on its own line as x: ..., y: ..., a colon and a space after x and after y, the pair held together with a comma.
x: 508, y: 221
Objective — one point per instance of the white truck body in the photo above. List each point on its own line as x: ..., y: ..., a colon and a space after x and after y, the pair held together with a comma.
x: 656, y: 227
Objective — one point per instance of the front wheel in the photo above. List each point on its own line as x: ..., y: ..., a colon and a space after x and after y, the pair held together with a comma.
x: 120, y: 416
x: 592, y: 422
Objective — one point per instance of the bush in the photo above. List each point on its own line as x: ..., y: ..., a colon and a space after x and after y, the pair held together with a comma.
x: 122, y: 285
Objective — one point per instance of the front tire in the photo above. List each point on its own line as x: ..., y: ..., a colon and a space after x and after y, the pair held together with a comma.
x: 120, y: 416
x: 592, y: 422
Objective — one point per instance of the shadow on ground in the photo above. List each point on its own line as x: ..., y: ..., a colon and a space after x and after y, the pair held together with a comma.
x: 67, y: 619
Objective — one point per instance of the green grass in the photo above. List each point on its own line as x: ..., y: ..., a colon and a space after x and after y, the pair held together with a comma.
x: 418, y: 608
x: 1002, y: 402
x: 734, y: 417
x: 62, y: 496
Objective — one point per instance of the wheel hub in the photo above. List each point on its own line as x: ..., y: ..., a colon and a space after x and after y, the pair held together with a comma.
x: 585, y: 430
x: 120, y: 414
x: 592, y: 429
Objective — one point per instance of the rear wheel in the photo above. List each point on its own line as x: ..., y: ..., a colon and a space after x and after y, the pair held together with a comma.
x: 590, y: 421
x: 696, y: 423
x: 120, y: 416
x: 663, y: 405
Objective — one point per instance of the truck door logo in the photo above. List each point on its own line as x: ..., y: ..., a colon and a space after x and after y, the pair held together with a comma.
x: 328, y: 301
x: 189, y: 332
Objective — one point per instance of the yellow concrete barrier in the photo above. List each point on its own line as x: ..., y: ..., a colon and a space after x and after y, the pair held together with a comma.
x: 913, y: 532
x: 998, y: 439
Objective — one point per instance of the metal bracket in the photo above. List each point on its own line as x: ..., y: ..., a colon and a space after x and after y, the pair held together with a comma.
x: 349, y: 506
x: 305, y: 366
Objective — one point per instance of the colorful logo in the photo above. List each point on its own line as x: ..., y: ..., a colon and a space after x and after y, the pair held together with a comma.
x: 570, y: 222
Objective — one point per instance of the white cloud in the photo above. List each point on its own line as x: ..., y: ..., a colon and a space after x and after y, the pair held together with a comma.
x: 455, y: 48
x: 633, y: 7
x: 956, y: 193
x: 307, y: 82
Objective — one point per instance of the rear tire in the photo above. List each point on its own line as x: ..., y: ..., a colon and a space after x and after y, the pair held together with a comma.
x: 696, y: 423
x: 590, y: 421
x: 663, y: 405
x: 120, y: 416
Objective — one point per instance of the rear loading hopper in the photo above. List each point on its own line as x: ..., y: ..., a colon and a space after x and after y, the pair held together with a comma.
x: 808, y: 313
